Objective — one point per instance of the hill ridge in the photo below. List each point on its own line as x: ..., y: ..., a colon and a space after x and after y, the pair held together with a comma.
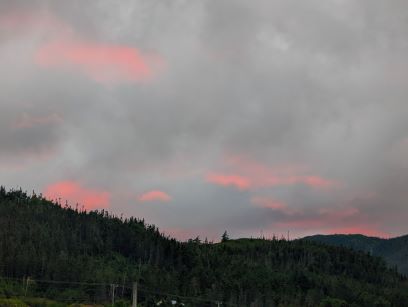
x: 41, y: 239
x: 393, y: 250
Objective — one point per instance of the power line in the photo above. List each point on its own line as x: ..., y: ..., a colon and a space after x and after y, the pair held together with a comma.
x: 183, y: 297
x: 58, y: 282
x: 127, y: 286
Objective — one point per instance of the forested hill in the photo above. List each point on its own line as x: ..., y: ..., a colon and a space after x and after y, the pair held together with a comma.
x: 45, y: 241
x: 394, y: 250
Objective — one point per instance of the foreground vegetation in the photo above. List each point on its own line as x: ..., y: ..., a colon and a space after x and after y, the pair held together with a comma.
x: 46, y: 242
x: 394, y: 251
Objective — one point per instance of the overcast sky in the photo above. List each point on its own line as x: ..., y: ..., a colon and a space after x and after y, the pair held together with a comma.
x: 255, y: 117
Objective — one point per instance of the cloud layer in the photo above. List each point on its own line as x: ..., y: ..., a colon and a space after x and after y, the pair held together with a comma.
x: 154, y: 195
x: 70, y: 193
x: 261, y: 116
x: 102, y: 63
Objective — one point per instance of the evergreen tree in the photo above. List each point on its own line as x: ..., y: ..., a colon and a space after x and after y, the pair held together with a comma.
x: 224, y: 237
x: 45, y: 241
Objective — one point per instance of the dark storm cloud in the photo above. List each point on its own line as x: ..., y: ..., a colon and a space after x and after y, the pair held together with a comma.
x: 320, y: 84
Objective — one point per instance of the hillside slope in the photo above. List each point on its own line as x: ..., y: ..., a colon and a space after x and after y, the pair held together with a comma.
x: 394, y: 251
x: 42, y: 240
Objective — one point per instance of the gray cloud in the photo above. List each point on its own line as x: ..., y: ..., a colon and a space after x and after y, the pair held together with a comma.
x: 320, y: 84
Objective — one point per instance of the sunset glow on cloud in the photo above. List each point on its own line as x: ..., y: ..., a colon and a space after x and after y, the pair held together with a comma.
x: 74, y: 193
x: 154, y: 195
x: 103, y: 63
x: 270, y: 203
x: 346, y: 220
x: 255, y: 123
x: 316, y: 181
x: 249, y: 174
x: 239, y: 182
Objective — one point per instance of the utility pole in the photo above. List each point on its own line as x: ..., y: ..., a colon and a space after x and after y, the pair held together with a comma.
x: 113, y: 286
x: 123, y: 284
x: 134, y: 295
x: 26, y: 287
x: 218, y: 303
x: 134, y: 289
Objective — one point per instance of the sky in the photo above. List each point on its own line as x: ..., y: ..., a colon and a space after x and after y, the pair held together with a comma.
x: 255, y: 117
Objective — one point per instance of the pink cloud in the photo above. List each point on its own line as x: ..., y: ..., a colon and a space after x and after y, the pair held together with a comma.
x: 239, y: 182
x: 317, y: 182
x: 266, y: 202
x: 65, y: 50
x: 154, y: 195
x: 245, y: 173
x: 104, y: 63
x: 347, y: 220
x: 275, y: 205
x: 74, y: 193
x: 323, y: 218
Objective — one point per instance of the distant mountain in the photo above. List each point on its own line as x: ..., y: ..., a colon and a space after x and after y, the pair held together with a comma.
x: 394, y: 251
x: 57, y: 247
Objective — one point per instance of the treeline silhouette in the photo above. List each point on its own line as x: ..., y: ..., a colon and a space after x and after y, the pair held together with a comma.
x: 394, y: 250
x: 44, y: 240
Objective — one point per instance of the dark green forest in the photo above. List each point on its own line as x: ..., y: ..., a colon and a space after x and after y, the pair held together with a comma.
x: 50, y: 243
x: 394, y: 251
